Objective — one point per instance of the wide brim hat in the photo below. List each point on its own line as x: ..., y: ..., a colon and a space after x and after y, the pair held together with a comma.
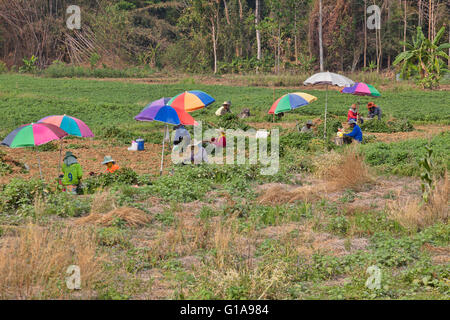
x: 69, y: 154
x: 226, y: 103
x: 352, y: 121
x: 108, y: 159
x: 309, y: 122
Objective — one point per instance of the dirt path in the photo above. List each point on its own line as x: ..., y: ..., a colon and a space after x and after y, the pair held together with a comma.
x: 422, y: 131
x: 90, y: 154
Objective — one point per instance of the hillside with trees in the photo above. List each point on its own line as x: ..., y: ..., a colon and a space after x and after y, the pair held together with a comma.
x: 219, y: 36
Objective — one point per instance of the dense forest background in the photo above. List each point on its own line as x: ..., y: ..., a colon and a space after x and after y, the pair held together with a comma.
x: 220, y: 36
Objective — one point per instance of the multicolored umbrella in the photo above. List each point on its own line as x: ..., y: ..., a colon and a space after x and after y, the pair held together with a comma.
x: 166, y: 114
x: 158, y: 103
x: 291, y: 101
x: 362, y: 89
x: 71, y: 125
x: 33, y: 134
x: 191, y: 100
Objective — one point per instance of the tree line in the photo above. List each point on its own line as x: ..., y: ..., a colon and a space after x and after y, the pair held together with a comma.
x: 219, y: 36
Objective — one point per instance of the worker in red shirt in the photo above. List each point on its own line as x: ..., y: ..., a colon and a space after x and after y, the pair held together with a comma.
x: 353, y: 114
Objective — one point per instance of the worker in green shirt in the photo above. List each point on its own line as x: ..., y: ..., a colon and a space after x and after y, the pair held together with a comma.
x: 72, y: 172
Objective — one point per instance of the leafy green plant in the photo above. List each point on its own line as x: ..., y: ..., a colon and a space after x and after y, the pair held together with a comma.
x: 29, y: 65
x: 18, y: 193
x: 426, y: 164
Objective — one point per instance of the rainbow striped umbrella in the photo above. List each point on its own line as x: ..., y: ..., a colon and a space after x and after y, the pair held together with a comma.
x: 33, y: 134
x: 191, y: 100
x: 71, y: 125
x: 291, y: 101
x: 362, y: 89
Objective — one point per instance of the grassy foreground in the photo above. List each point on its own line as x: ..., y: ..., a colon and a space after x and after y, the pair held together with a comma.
x: 311, y: 231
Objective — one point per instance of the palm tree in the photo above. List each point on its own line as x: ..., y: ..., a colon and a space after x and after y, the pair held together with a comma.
x: 424, y: 59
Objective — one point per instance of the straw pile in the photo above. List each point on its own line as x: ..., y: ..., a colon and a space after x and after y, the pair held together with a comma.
x: 132, y: 216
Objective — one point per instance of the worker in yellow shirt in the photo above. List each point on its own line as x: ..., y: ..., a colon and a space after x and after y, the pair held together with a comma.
x: 111, y: 165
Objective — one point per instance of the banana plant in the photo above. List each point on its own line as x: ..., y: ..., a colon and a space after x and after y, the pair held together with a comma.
x: 424, y: 58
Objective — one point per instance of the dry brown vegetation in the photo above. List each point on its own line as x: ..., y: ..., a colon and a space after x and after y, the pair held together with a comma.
x: 413, y: 214
x: 33, y: 262
x: 338, y: 172
x: 132, y: 216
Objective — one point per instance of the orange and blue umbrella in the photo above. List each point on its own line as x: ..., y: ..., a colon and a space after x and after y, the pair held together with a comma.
x: 71, y: 125
x: 291, y: 101
x: 191, y: 100
x: 34, y: 134
x: 362, y: 89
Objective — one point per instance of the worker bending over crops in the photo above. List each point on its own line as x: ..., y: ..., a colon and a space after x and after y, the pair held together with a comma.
x: 72, y: 173
x: 110, y: 164
x: 353, y: 114
x: 356, y: 133
x: 181, y: 139
x: 196, y: 154
x: 374, y: 110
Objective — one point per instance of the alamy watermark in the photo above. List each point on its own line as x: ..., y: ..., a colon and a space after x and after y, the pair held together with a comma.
x: 73, y: 281
x: 374, y: 20
x: 74, y: 20
x: 374, y: 281
x: 242, y: 147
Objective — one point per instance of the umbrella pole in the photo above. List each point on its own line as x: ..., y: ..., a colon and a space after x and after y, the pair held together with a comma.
x: 162, y: 152
x: 326, y: 107
x: 39, y: 165
x: 60, y: 157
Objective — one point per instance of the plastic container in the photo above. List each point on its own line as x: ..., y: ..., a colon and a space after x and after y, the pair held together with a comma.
x: 140, y: 144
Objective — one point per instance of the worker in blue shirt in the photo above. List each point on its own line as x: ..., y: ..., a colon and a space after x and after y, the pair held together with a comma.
x: 356, y: 133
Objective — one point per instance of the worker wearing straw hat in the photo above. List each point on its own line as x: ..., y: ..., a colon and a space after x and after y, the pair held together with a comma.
x: 224, y: 109
x: 111, y: 165
x: 307, y: 128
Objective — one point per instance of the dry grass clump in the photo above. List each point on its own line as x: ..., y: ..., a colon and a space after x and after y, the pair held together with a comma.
x: 103, y: 202
x: 343, y: 171
x: 280, y: 195
x: 132, y: 216
x: 33, y: 263
x: 414, y: 215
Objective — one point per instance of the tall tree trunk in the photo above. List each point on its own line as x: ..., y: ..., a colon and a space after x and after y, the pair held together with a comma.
x: 279, y: 48
x: 295, y: 33
x: 227, y: 16
x: 258, y: 33
x: 214, y: 40
x: 430, y: 12
x: 420, y: 12
x: 404, y: 28
x: 365, y: 33
x: 320, y: 36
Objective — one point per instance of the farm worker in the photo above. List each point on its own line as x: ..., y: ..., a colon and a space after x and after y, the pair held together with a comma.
x: 111, y: 165
x: 196, y: 154
x: 352, y: 113
x: 224, y: 109
x: 72, y: 170
x: 220, y: 142
x: 181, y: 139
x: 307, y: 127
x: 374, y: 110
x: 356, y: 133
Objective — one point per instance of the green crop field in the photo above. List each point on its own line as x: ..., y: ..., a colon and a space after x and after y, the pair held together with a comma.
x: 25, y: 99
x: 310, y: 231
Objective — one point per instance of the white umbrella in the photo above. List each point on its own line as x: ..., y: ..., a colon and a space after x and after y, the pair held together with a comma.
x: 328, y: 78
